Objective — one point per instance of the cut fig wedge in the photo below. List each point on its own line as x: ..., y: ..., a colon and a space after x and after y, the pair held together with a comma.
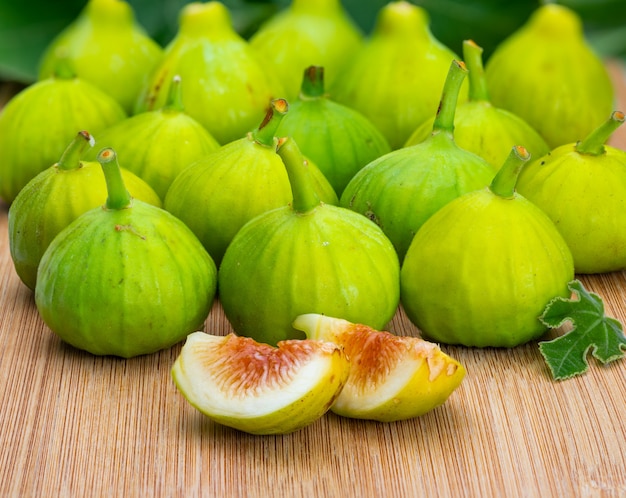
x: 258, y: 388
x: 391, y: 377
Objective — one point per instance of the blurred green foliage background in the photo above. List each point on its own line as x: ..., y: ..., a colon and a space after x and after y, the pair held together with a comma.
x: 27, y: 26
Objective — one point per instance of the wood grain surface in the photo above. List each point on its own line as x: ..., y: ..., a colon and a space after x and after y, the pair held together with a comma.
x: 75, y: 425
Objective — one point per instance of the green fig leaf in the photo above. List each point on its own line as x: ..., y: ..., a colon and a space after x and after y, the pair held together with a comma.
x: 592, y: 331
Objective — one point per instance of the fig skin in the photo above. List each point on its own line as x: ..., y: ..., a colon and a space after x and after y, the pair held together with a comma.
x: 56, y: 197
x: 157, y: 145
x: 337, y: 138
x: 395, y: 79
x: 303, y: 258
x: 108, y: 48
x: 37, y: 124
x: 479, y: 126
x: 547, y: 74
x: 256, y: 388
x: 307, y: 32
x: 227, y: 86
x: 483, y: 268
x: 401, y: 190
x: 582, y: 188
x: 391, y: 378
x: 218, y: 194
x: 125, y: 279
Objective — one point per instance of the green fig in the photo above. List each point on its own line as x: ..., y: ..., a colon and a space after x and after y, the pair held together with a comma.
x: 482, y: 269
x: 124, y: 279
x: 56, y: 197
x: 227, y: 89
x: 401, y: 190
x: 307, y: 257
x: 337, y: 138
x: 582, y: 188
x: 547, y: 74
x: 218, y: 194
x: 37, y: 124
x: 395, y: 79
x: 479, y: 126
x: 108, y: 48
x: 306, y: 33
x: 157, y: 145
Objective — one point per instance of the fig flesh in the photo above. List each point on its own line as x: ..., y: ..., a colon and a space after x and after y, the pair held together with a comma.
x: 257, y: 388
x: 391, y: 377
x: 56, y: 197
x: 125, y: 279
x: 582, y: 188
x: 482, y: 269
x: 547, y: 74
x: 303, y: 258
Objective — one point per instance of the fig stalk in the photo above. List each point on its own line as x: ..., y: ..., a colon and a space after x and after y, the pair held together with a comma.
x: 265, y: 133
x: 174, y: 99
x: 304, y: 197
x: 313, y: 82
x: 118, y: 197
x: 444, y: 120
x: 593, y: 144
x: 473, y: 58
x: 72, y: 154
x: 503, y: 184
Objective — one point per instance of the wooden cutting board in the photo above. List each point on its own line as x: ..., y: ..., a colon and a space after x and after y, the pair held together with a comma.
x: 75, y: 425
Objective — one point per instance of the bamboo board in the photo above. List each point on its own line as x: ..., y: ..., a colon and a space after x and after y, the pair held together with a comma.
x: 75, y: 425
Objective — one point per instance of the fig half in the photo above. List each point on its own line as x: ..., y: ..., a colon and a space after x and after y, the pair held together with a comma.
x: 391, y: 377
x: 257, y: 388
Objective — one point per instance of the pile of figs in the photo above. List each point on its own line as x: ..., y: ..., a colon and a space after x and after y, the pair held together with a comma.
x: 312, y: 178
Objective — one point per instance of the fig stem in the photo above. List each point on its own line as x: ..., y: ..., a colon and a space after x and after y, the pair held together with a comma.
x: 444, y: 120
x: 265, y: 133
x: 503, y: 184
x: 64, y: 67
x: 70, y: 159
x: 473, y: 58
x: 593, y: 144
x: 118, y: 197
x: 304, y: 197
x: 312, y: 82
x: 174, y: 100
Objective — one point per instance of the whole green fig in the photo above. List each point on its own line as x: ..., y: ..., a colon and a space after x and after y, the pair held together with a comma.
x: 307, y: 32
x: 582, y: 188
x: 479, y: 126
x: 227, y: 89
x: 395, y: 78
x: 482, y: 269
x: 401, y: 190
x: 124, y: 279
x: 547, y: 74
x: 218, y: 194
x: 337, y: 138
x: 37, y: 124
x: 157, y: 145
x: 56, y: 197
x: 308, y: 257
x: 108, y: 48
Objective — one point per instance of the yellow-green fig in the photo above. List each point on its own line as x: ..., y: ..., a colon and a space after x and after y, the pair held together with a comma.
x: 157, y: 145
x: 582, y: 188
x: 56, y: 197
x: 227, y: 88
x: 479, y: 126
x: 126, y: 278
x: 483, y: 268
x: 308, y: 257
x: 395, y: 78
x: 37, y: 124
x: 220, y: 193
x: 108, y: 48
x: 306, y: 33
x: 257, y: 388
x: 547, y: 74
